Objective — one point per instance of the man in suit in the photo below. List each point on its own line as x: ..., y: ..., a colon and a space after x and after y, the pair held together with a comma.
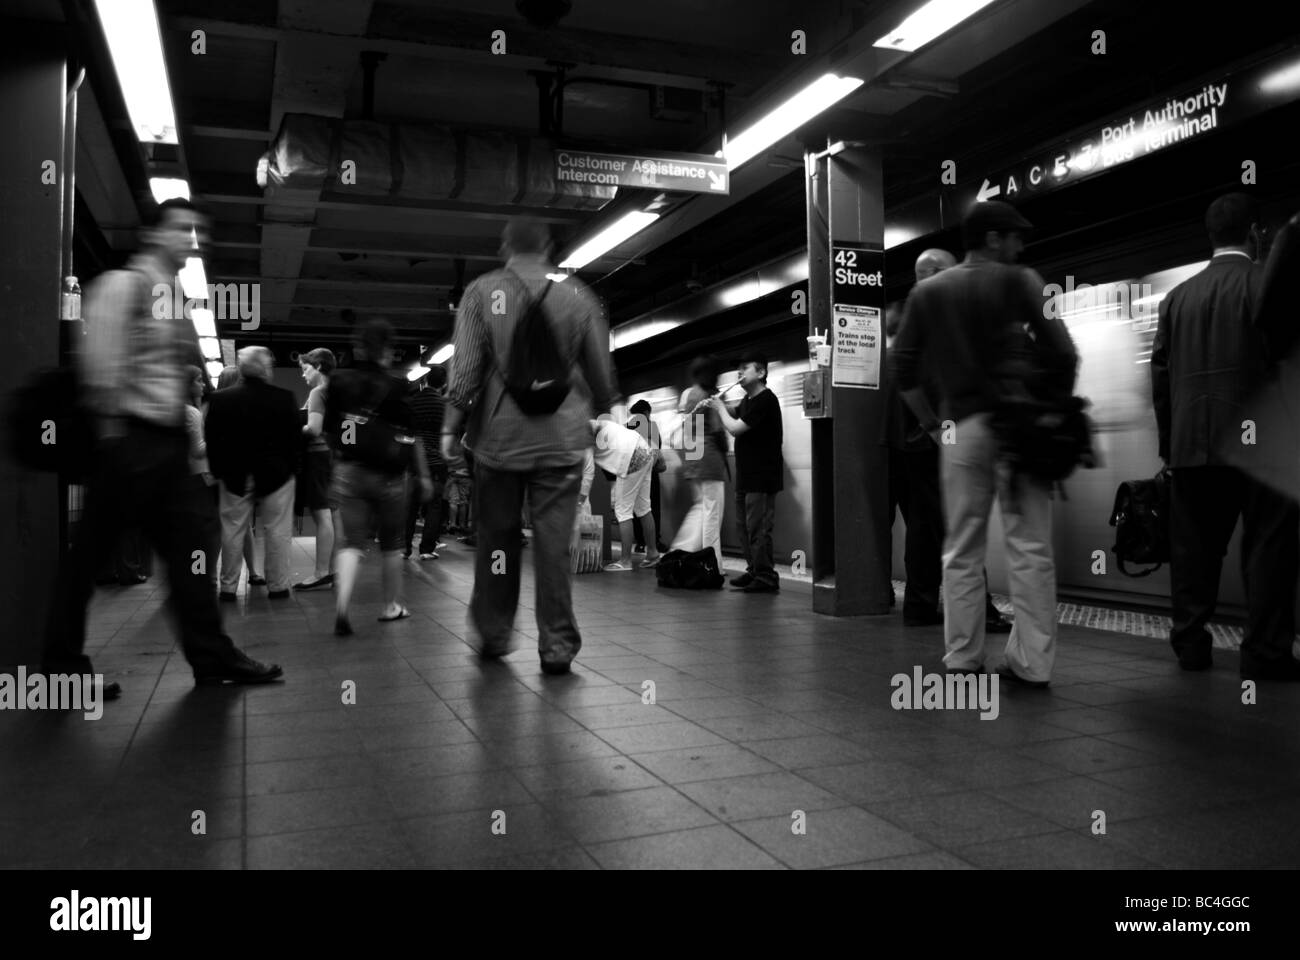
x: 1206, y: 359
x: 254, y: 444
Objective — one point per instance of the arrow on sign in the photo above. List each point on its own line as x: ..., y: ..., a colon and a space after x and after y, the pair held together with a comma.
x: 985, y: 193
x: 717, y: 181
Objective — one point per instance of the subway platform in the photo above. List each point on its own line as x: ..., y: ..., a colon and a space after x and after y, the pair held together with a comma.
x: 771, y: 743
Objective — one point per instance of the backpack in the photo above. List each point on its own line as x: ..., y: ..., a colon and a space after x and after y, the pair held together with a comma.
x: 1041, y: 426
x: 690, y: 571
x: 50, y: 428
x: 376, y: 442
x: 1141, y: 521
x: 538, y: 377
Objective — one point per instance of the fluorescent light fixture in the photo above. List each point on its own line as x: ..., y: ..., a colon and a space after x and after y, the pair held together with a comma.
x: 897, y: 236
x: 641, y: 331
x: 214, y: 370
x: 193, y: 280
x: 135, y: 43
x: 211, y: 348
x: 443, y: 355
x: 205, y: 323
x: 557, y: 277
x: 933, y: 19
x: 822, y: 93
x: 609, y: 238
x: 416, y: 372
x: 169, y: 188
x: 1283, y: 80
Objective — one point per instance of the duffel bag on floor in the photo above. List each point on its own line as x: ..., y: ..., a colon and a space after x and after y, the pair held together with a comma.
x: 690, y: 571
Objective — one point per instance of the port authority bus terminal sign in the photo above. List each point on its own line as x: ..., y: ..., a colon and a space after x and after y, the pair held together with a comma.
x: 1189, y: 114
x: 857, y: 314
x: 683, y: 172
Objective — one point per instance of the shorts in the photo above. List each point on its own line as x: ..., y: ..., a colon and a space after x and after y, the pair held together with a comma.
x: 458, y: 490
x: 313, y: 490
x: 361, y: 493
x: 631, y: 494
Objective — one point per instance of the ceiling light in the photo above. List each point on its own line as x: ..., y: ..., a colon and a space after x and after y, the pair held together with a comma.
x: 214, y: 370
x: 211, y: 349
x: 169, y: 188
x: 135, y: 43
x: 609, y: 238
x: 193, y: 280
x: 788, y: 117
x: 416, y: 372
x: 443, y: 355
x: 933, y: 19
x: 204, y: 322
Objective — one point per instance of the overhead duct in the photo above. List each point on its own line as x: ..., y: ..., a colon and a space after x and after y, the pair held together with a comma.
x: 421, y: 162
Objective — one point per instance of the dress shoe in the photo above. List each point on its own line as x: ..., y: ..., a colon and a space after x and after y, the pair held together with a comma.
x: 744, y: 580
x: 1282, y: 670
x: 555, y: 669
x: 279, y: 594
x: 240, y: 669
x: 1009, y: 675
x: 257, y: 581
x: 933, y: 619
x: 761, y: 586
x: 996, y: 623
x: 227, y: 597
x: 315, y: 582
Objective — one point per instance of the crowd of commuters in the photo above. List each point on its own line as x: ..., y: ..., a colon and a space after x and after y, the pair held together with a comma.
x: 371, y: 457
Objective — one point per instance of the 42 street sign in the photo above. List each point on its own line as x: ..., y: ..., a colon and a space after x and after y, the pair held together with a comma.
x: 682, y: 172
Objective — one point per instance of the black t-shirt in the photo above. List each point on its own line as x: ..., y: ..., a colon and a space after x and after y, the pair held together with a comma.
x: 759, y: 465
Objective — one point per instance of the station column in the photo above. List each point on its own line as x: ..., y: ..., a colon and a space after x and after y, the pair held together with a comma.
x: 33, y: 87
x: 845, y: 397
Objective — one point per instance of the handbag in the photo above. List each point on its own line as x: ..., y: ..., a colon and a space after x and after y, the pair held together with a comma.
x: 376, y: 442
x: 1140, y: 517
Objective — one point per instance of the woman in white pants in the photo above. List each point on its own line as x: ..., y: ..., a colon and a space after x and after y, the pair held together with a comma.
x: 704, y: 462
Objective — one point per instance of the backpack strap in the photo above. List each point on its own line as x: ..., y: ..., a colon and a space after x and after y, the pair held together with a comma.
x: 496, y: 351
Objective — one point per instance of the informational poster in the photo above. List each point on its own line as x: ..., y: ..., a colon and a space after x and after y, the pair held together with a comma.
x: 857, y: 352
x: 857, y: 315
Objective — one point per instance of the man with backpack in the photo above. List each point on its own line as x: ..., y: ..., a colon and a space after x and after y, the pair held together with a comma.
x: 974, y: 322
x: 530, y: 370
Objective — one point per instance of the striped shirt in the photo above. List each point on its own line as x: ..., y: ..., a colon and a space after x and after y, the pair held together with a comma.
x: 498, y: 433
x: 427, y: 408
x: 134, y: 358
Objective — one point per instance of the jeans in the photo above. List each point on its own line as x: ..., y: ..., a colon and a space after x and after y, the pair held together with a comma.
x: 369, y: 502
x: 755, y: 515
x: 914, y: 489
x: 972, y: 478
x: 552, y: 495
x: 431, y: 511
x: 1204, y: 505
x: 142, y: 478
x: 276, y: 512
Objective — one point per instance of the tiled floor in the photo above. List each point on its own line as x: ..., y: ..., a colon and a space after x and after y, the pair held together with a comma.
x: 771, y: 743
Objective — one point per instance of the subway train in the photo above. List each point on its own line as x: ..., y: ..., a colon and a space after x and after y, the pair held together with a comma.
x: 1113, y: 322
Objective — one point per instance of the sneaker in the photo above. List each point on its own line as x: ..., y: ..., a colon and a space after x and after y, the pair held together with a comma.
x: 315, y: 582
x: 744, y: 580
x: 1015, y: 679
x: 617, y: 567
x: 439, y: 545
x: 428, y: 556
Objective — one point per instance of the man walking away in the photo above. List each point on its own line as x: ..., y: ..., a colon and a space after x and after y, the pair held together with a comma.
x: 519, y: 455
x: 134, y: 367
x: 254, y: 446
x: 760, y: 471
x: 427, y: 406
x: 969, y: 323
x: 1206, y: 360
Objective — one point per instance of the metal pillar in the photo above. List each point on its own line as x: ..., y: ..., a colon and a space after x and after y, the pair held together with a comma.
x: 851, y: 531
x: 33, y: 88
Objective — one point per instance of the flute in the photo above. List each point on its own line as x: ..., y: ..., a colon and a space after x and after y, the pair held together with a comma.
x: 719, y: 394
